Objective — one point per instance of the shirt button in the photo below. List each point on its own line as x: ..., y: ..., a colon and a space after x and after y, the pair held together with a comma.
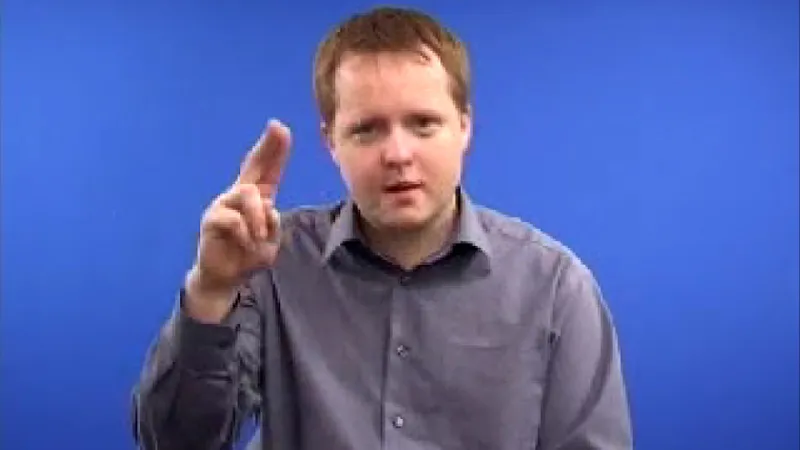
x: 405, y: 279
x: 402, y: 351
x: 398, y: 421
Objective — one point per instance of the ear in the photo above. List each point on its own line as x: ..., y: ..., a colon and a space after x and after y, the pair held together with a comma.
x: 326, y: 133
x: 466, y: 128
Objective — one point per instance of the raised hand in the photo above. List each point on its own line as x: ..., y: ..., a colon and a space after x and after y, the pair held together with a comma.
x: 240, y: 229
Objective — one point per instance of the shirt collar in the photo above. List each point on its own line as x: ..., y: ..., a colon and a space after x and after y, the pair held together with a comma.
x: 469, y: 230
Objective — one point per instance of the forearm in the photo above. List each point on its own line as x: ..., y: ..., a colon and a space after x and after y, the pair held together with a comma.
x: 189, y: 393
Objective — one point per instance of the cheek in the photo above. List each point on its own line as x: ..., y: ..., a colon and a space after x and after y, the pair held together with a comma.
x: 358, y: 172
x: 443, y: 165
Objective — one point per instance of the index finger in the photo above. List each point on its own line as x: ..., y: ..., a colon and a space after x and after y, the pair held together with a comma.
x: 264, y: 164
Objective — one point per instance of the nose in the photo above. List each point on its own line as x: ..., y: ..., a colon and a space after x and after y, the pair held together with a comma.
x: 398, y: 149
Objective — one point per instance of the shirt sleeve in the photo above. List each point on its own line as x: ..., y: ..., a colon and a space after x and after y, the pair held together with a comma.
x: 585, y: 404
x: 200, y: 382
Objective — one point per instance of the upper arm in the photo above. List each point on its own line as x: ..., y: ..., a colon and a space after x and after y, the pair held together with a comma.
x: 585, y: 403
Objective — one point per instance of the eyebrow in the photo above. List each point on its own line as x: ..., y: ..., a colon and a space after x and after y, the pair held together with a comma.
x: 376, y: 118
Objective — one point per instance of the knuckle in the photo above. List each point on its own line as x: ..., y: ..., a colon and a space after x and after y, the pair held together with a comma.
x: 221, y: 218
x: 248, y: 189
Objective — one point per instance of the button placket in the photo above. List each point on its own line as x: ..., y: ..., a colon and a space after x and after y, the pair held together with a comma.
x: 395, y: 401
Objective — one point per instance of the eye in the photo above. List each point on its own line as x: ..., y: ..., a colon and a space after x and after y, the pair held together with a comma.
x: 364, y: 132
x: 425, y: 125
x: 362, y: 128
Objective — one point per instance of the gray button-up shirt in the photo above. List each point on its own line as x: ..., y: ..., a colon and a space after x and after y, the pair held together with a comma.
x: 500, y: 342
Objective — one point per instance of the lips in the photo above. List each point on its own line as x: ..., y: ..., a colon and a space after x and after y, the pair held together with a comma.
x: 402, y: 187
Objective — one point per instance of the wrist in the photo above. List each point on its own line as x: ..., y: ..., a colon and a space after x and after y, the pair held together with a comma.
x: 206, y: 301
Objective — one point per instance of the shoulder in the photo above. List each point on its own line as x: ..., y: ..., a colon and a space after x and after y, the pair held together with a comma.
x: 305, y: 229
x: 309, y: 218
x: 509, y: 234
x: 304, y: 232
x: 534, y: 253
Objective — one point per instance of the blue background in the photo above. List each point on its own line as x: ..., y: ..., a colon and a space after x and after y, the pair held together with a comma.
x: 659, y: 140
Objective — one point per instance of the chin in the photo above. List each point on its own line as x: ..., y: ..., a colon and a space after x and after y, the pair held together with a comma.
x: 404, y: 220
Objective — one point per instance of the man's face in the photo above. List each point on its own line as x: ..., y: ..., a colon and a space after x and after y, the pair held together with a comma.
x: 398, y: 138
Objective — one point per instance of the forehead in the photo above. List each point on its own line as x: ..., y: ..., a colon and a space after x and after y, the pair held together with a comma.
x: 391, y: 80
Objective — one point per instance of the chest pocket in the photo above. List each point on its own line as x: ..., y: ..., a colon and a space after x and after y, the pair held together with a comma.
x: 490, y: 374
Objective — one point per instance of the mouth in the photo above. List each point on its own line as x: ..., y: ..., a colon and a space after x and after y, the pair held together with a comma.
x: 399, y: 188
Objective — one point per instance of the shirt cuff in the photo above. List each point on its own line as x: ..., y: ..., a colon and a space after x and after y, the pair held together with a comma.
x: 202, y: 346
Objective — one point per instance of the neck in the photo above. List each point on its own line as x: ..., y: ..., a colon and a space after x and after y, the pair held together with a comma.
x: 411, y: 247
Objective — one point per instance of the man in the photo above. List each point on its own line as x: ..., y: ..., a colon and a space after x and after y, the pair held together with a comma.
x: 405, y: 317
